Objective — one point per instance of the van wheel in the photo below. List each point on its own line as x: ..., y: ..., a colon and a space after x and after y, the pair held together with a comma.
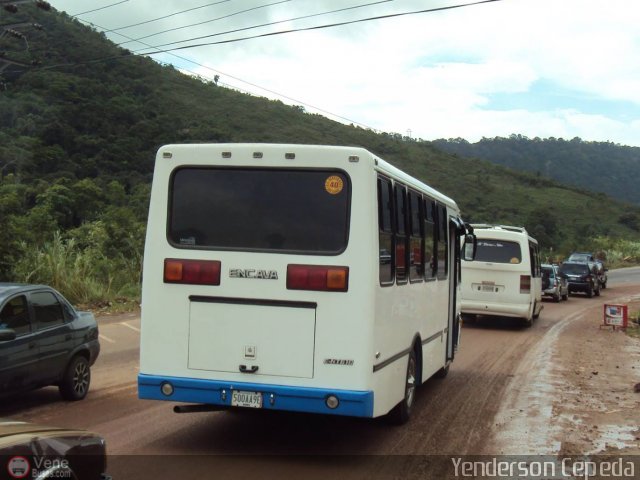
x: 528, y: 322
x: 402, y: 412
x: 443, y: 372
x: 76, y: 379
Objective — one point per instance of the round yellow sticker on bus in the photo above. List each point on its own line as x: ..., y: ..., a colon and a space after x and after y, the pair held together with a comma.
x: 334, y: 185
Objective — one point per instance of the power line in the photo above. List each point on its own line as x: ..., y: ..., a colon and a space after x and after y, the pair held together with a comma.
x: 320, y: 27
x: 280, y: 95
x: 97, y: 9
x: 273, y: 23
x: 208, y: 21
x: 167, y: 16
x: 131, y: 54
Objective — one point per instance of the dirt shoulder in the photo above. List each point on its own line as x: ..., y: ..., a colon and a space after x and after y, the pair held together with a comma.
x: 574, y: 393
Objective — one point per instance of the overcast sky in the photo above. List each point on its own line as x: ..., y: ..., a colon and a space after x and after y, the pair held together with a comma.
x: 540, y: 68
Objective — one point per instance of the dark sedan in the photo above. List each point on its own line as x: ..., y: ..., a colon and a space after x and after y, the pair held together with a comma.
x: 44, y: 341
x: 34, y: 451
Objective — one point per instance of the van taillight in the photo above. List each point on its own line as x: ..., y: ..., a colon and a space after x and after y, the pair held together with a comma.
x: 197, y: 272
x: 525, y: 284
x: 314, y: 277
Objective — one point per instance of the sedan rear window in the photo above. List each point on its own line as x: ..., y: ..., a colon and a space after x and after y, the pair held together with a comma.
x: 298, y: 211
x: 498, y: 251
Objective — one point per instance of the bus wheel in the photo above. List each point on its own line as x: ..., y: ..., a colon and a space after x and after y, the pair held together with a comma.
x: 402, y: 412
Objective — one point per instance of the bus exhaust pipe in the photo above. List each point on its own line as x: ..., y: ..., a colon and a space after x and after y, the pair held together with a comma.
x: 198, y: 408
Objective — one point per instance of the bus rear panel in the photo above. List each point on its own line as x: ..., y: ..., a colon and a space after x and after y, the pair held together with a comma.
x: 261, y: 283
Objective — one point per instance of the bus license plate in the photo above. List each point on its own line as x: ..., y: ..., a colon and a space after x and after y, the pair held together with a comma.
x: 240, y: 398
x: 488, y: 288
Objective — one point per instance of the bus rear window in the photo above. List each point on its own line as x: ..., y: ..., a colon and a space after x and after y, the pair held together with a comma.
x: 305, y: 211
x: 498, y: 251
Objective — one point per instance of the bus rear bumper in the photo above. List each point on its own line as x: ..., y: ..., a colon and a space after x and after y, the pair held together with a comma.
x: 352, y: 403
x: 521, y: 310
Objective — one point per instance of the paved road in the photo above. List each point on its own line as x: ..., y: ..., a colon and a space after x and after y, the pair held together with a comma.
x: 624, y: 275
x: 453, y: 416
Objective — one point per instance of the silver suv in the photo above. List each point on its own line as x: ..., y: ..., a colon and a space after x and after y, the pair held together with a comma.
x: 554, y: 285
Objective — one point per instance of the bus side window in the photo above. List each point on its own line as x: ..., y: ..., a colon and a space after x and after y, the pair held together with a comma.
x: 416, y: 240
x: 443, y: 242
x: 429, y: 240
x: 401, y: 230
x: 385, y: 229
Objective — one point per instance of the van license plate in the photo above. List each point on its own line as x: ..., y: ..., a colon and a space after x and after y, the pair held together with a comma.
x: 488, y: 288
x: 241, y: 398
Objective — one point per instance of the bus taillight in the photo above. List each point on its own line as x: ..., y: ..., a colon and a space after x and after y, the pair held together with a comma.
x: 525, y: 283
x: 196, y: 272
x: 315, y: 277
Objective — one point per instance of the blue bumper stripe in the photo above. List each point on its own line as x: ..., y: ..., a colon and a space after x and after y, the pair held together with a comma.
x: 274, y: 397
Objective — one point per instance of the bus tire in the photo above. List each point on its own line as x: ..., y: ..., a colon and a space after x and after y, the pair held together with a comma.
x: 401, y: 413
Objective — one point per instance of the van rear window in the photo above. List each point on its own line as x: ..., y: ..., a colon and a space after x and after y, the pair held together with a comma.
x: 498, y: 251
x: 305, y: 211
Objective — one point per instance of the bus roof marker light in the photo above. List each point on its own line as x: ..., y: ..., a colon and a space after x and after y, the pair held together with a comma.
x: 354, y: 158
x: 257, y: 154
x: 226, y: 154
x: 167, y: 155
x: 290, y: 156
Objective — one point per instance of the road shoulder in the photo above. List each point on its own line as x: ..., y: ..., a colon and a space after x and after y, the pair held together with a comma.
x: 574, y: 393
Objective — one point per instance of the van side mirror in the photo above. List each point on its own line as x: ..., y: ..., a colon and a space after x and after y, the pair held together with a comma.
x: 7, y: 334
x: 470, y: 247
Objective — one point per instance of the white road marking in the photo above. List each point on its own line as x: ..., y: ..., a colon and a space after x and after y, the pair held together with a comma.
x: 107, y: 339
x: 130, y: 326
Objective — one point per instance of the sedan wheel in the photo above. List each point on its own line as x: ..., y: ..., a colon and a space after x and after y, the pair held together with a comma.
x: 76, y: 380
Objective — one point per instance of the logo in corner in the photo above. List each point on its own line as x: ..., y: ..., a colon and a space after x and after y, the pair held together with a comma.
x: 18, y: 467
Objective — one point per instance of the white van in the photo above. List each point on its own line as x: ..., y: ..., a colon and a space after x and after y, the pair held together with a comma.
x: 505, y: 277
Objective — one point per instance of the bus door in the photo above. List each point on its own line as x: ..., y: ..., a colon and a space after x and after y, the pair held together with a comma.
x: 456, y: 231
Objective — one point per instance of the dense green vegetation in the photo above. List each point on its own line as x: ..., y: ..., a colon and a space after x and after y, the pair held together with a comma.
x: 597, y: 166
x: 78, y: 134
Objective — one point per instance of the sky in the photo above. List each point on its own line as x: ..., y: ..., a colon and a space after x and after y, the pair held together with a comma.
x: 538, y: 68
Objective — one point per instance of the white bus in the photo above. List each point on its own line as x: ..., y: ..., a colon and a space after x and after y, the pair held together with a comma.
x: 505, y: 277
x: 295, y: 277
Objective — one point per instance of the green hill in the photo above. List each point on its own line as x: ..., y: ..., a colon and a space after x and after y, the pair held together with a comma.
x: 79, y: 130
x: 597, y: 166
